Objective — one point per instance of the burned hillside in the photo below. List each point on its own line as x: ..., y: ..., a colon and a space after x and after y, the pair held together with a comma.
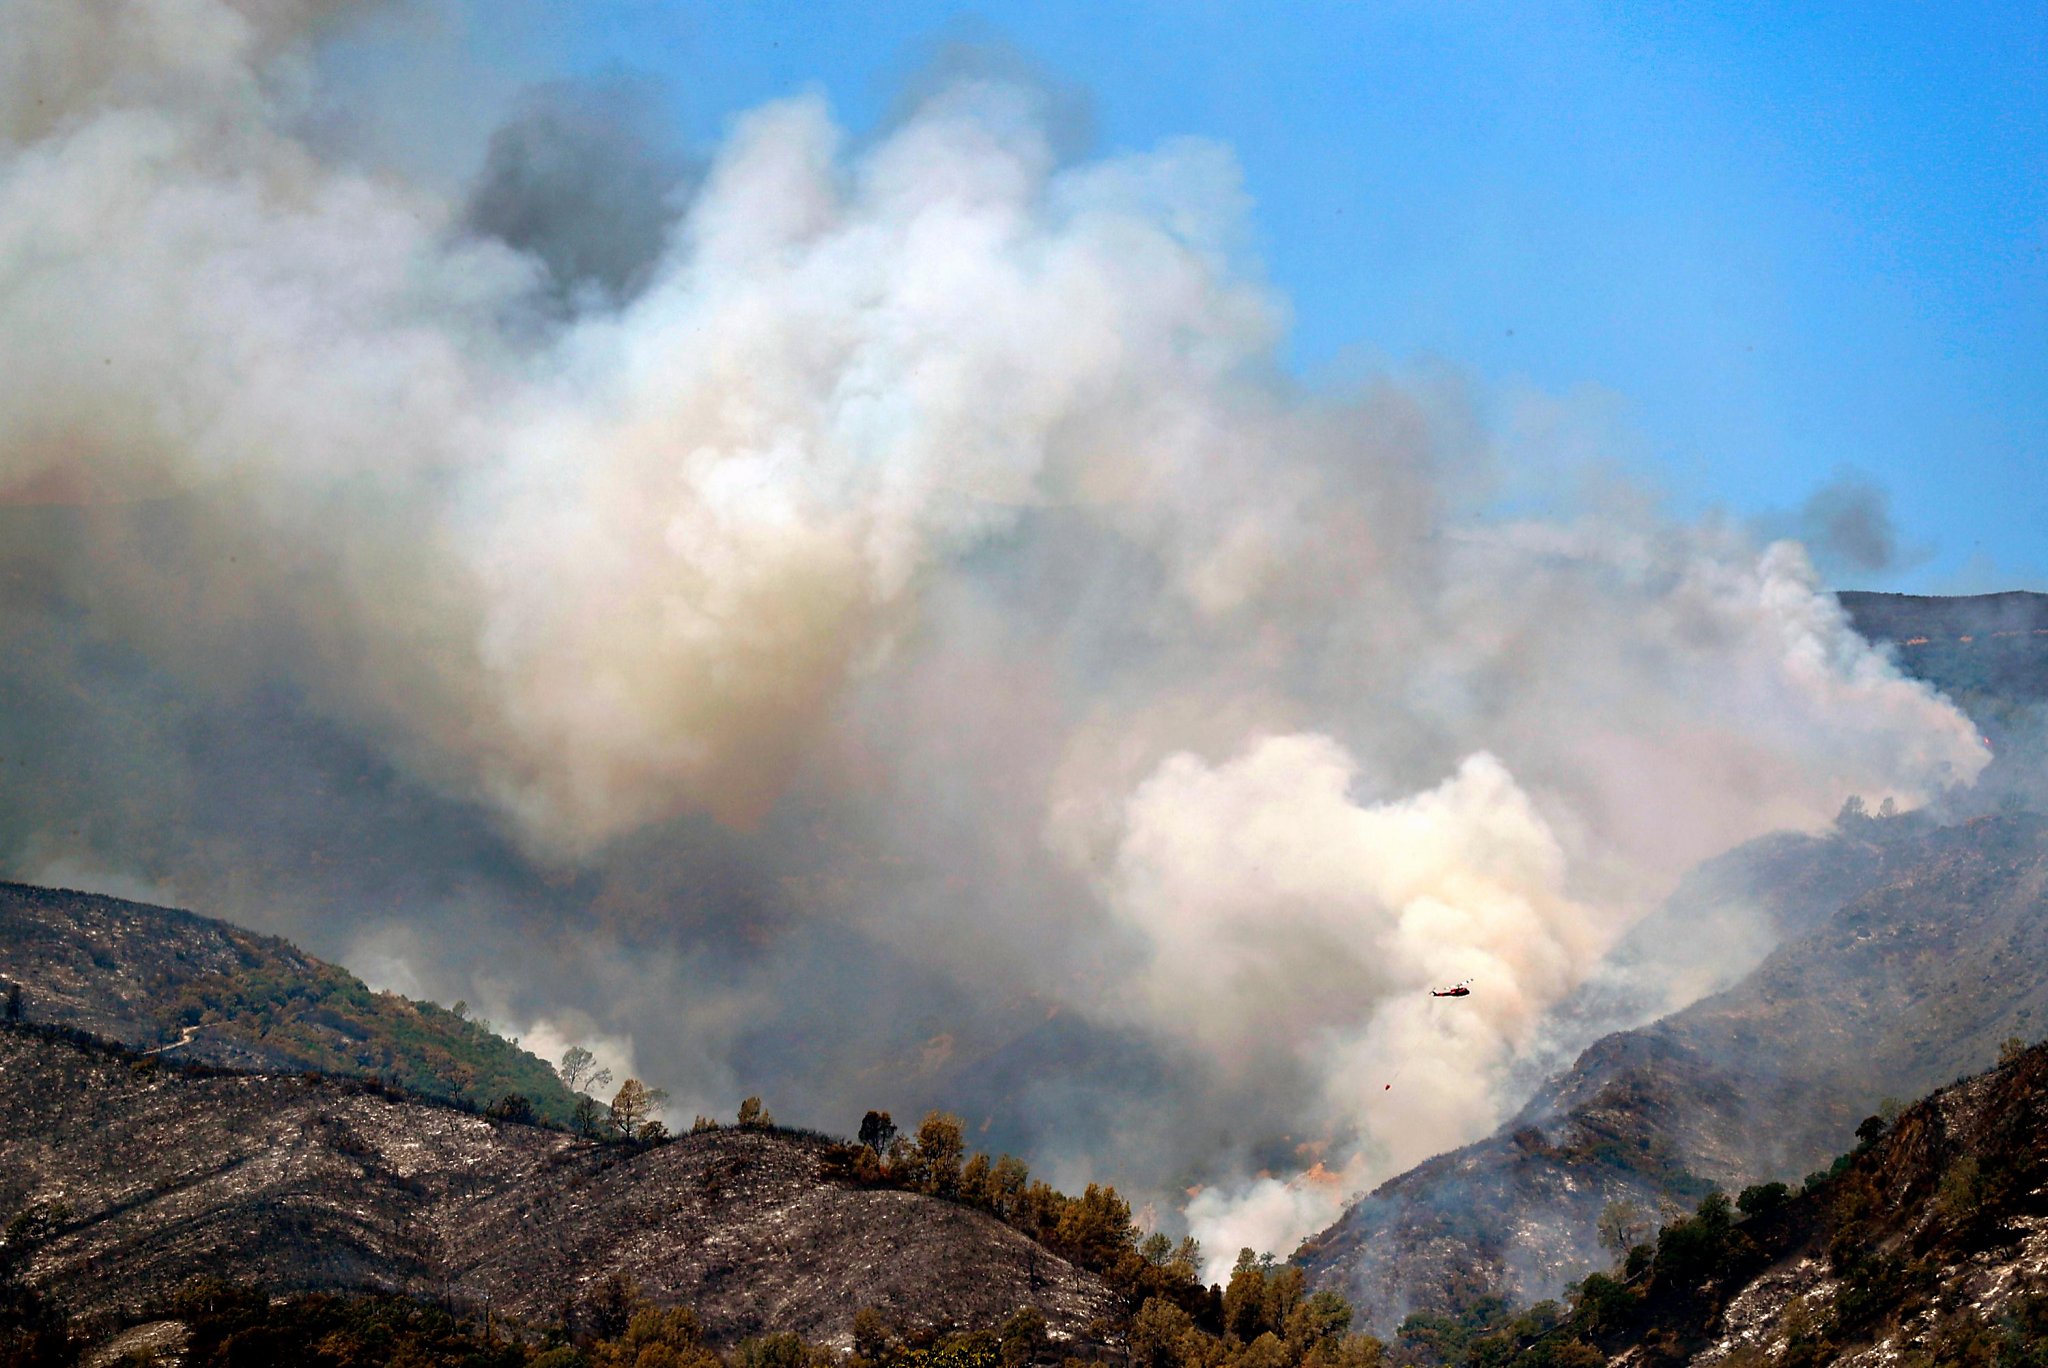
x: 164, y: 1175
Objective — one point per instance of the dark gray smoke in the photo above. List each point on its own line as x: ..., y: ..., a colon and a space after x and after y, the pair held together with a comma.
x: 584, y: 178
x: 1847, y: 527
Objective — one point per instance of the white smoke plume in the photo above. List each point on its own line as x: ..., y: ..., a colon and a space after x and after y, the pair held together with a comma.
x: 920, y: 562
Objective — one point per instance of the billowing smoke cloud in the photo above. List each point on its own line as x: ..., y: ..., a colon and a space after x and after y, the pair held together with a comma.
x: 1277, y: 906
x: 882, y: 631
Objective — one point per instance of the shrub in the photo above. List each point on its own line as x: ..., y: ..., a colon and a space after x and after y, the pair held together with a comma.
x: 514, y: 1107
x: 1604, y: 1304
x: 771, y: 1351
x: 1761, y: 1199
x: 1694, y: 1249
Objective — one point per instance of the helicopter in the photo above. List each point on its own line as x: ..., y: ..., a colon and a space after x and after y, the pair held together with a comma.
x: 1456, y: 990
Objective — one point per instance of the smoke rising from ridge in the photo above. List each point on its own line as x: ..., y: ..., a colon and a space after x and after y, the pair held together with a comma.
x: 897, y: 638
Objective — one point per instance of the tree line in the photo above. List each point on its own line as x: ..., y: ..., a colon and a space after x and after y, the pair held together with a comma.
x: 1264, y: 1317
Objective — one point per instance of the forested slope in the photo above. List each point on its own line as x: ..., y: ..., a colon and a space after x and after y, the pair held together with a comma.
x: 205, y: 990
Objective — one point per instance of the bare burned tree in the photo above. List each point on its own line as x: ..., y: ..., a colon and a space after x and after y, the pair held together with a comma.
x: 579, y: 1070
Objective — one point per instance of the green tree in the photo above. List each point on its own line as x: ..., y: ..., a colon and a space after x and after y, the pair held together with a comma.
x: 656, y: 1338
x: 1023, y: 1337
x: 1347, y: 1351
x: 974, y: 1182
x: 515, y: 1107
x: 1157, y: 1332
x: 609, y: 1309
x: 871, y: 1337
x: 774, y: 1351
x: 1760, y: 1199
x: 1244, y: 1297
x: 1285, y: 1288
x: 1095, y: 1228
x: 940, y: 1146
x: 1693, y: 1249
x: 1603, y: 1303
x: 1320, y: 1319
x: 1960, y: 1197
x: 1007, y: 1182
x: 752, y: 1113
x: 1267, y: 1351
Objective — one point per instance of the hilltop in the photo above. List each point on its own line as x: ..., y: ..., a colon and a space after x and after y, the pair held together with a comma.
x: 1987, y: 652
x: 1928, y: 619
x: 194, y: 988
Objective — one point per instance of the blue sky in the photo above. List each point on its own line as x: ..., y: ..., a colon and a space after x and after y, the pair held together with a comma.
x: 1775, y: 244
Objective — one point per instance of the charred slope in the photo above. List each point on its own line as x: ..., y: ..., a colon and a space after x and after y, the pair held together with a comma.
x: 1912, y: 983
x: 1927, y: 1245
x: 317, y: 1183
x: 210, y: 992
x: 1722, y: 921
